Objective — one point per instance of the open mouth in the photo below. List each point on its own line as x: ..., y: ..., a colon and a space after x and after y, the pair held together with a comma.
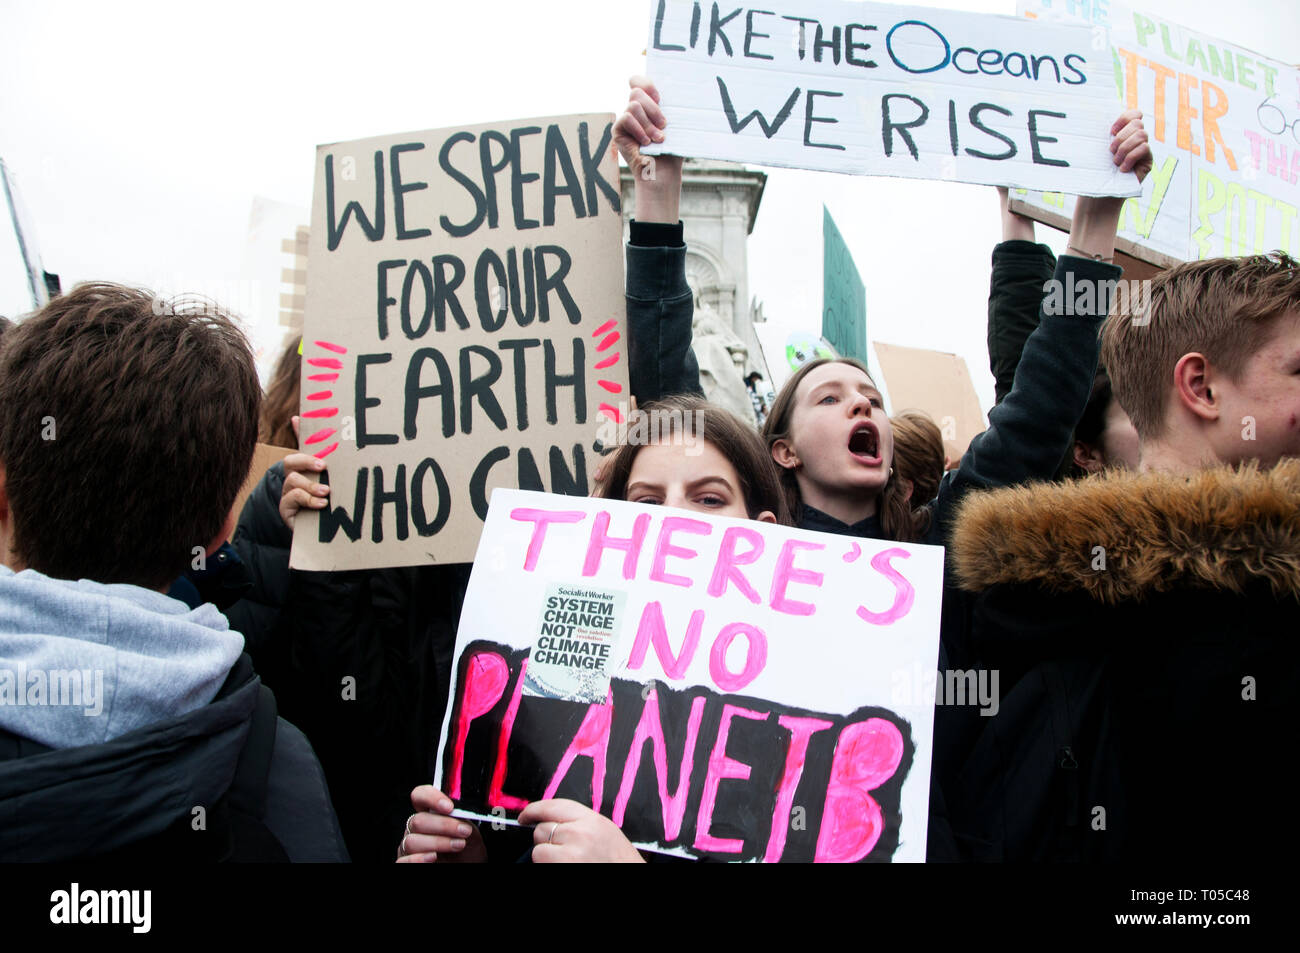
x: 864, y: 443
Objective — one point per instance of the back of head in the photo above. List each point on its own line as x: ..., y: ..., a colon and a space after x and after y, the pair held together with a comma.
x: 918, y: 454
x: 127, y: 427
x: 1221, y: 308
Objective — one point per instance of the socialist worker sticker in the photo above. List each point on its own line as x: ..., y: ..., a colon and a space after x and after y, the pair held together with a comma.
x: 574, y: 650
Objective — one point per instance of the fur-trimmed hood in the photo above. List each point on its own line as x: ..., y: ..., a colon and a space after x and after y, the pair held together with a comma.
x: 1218, y: 529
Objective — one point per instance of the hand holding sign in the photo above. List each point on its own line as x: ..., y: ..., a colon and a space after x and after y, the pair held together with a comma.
x: 571, y: 833
x: 301, y: 491
x: 433, y: 834
x: 658, y: 178
x: 1096, y: 219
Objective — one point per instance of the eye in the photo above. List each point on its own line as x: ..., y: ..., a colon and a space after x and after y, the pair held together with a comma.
x: 711, y: 499
x: 878, y: 403
x: 647, y: 499
x: 829, y: 399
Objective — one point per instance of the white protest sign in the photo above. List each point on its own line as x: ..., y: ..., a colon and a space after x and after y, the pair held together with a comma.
x: 878, y: 89
x: 1224, y: 128
x: 464, y: 330
x: 763, y: 692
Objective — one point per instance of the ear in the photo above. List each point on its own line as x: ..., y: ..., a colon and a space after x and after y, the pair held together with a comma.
x: 1088, y: 457
x: 1192, y: 387
x: 767, y: 516
x: 227, y: 531
x: 784, y: 455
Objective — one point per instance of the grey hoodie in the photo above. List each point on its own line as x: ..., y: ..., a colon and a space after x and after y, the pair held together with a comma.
x: 83, y: 662
x: 140, y: 737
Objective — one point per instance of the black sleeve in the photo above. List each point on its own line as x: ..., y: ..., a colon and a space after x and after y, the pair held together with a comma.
x: 660, y: 307
x: 262, y: 541
x: 1020, y: 269
x: 1030, y: 431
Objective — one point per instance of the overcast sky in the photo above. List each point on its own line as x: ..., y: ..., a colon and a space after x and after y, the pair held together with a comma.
x: 140, y: 134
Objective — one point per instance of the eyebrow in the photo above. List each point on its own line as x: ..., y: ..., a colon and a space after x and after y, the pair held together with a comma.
x: 641, y: 485
x: 865, y: 388
x: 705, y: 481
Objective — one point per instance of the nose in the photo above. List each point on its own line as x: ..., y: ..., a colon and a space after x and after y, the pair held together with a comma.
x: 859, y: 405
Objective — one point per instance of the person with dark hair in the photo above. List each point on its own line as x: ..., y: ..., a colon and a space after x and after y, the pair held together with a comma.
x: 126, y: 431
x: 750, y: 489
x: 703, y: 458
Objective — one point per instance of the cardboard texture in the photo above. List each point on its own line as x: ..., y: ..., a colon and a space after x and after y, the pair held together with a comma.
x: 937, y: 383
x: 464, y: 330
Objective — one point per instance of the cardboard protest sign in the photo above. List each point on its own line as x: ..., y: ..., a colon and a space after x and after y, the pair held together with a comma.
x: 937, y: 383
x: 464, y: 330
x: 1224, y: 130
x: 844, y: 296
x: 879, y: 89
x: 719, y: 687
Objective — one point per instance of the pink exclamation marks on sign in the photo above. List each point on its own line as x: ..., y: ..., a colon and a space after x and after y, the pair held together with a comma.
x: 609, y: 337
x: 331, y: 365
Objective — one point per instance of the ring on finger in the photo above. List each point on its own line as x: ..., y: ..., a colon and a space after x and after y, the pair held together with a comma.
x: 554, y: 827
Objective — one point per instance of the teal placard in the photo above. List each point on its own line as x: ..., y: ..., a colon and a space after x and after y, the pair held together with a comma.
x: 844, y: 297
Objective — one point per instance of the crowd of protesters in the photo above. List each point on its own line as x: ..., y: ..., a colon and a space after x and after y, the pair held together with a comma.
x: 1122, y: 545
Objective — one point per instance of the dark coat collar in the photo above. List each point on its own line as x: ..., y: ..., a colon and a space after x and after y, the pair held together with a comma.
x: 812, y: 518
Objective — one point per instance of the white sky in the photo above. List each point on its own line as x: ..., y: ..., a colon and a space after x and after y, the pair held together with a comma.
x: 141, y: 132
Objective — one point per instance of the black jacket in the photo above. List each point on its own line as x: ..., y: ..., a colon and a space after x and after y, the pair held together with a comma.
x: 259, y: 787
x: 1144, y: 631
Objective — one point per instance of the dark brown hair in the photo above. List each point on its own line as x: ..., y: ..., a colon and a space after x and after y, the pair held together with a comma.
x: 127, y: 426
x: 276, y: 424
x: 897, y: 518
x: 734, y: 439
x: 1222, y: 308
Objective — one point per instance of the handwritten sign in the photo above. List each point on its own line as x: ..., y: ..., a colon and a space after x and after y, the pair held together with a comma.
x: 878, y: 89
x: 844, y: 297
x: 464, y: 330
x: 757, y: 687
x: 1223, y: 125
